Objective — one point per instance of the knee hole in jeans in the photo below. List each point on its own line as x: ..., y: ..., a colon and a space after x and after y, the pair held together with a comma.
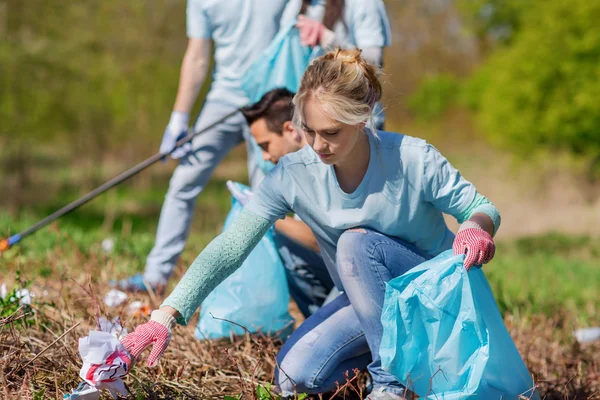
x: 349, y: 248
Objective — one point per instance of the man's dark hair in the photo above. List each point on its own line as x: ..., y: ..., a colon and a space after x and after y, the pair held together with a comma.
x: 275, y: 107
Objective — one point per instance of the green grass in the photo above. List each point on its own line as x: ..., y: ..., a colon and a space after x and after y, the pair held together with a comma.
x: 127, y: 215
x: 548, y: 274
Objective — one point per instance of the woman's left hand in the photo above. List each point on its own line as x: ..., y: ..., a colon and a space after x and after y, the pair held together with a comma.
x: 310, y: 31
x: 475, y: 242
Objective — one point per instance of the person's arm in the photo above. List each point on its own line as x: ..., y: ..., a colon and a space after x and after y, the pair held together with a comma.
x: 484, y: 221
x: 370, y: 29
x: 445, y: 188
x: 298, y: 231
x: 448, y: 191
x: 294, y: 229
x: 482, y: 212
x: 193, y: 73
x: 217, y: 261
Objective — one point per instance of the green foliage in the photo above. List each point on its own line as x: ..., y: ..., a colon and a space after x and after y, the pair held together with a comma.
x: 547, y: 274
x: 86, y: 75
x: 434, y: 95
x: 39, y: 394
x: 496, y: 20
x: 14, y: 300
x: 542, y: 91
x: 266, y: 393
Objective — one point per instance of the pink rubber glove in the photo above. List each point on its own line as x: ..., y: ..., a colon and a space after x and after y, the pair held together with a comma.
x: 476, y: 243
x: 310, y: 31
x: 155, y: 333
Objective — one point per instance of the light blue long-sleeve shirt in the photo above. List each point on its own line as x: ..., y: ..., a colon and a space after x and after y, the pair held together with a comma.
x: 407, y: 187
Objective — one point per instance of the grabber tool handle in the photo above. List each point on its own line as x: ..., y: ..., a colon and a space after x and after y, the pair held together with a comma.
x: 5, y: 244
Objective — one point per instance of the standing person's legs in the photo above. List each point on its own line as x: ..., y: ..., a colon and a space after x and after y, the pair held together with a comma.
x: 306, y: 273
x: 318, y: 354
x: 188, y: 180
x: 366, y: 260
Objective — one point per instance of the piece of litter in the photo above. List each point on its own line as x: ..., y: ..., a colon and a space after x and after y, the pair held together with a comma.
x: 84, y: 391
x: 114, y: 298
x: 587, y: 335
x: 134, y: 306
x: 113, y: 327
x: 137, y: 308
x: 105, y: 362
x: 108, y: 245
x: 23, y: 295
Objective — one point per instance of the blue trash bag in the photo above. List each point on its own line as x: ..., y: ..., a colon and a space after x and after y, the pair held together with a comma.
x: 281, y: 65
x: 256, y: 296
x: 444, y: 337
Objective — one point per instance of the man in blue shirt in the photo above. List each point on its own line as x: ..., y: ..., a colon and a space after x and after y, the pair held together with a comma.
x: 239, y: 31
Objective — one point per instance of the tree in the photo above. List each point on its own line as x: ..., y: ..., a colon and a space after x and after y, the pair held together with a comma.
x: 543, y: 90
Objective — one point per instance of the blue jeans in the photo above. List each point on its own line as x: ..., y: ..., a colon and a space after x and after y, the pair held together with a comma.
x: 189, y: 179
x: 346, y: 333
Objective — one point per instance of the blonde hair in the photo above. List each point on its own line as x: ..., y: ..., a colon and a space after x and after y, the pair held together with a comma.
x: 344, y: 85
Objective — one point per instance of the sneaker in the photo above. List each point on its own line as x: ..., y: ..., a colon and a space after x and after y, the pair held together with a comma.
x: 134, y: 283
x: 381, y: 394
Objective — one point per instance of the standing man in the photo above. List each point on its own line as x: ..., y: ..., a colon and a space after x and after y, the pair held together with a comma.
x: 239, y: 31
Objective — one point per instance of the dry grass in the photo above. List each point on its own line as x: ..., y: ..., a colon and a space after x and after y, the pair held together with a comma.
x: 41, y: 357
x: 191, y: 369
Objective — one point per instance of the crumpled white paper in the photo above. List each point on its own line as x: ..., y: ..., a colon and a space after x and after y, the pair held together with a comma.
x: 114, y: 298
x: 23, y: 294
x: 108, y: 245
x: 105, y: 362
x: 113, y: 327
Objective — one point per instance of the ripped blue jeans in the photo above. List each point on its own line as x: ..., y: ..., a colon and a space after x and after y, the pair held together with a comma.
x: 345, y: 334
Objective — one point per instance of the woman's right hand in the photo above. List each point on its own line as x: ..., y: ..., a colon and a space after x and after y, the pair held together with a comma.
x: 155, y: 333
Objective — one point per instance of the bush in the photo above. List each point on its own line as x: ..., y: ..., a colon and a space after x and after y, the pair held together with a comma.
x: 435, y: 94
x: 89, y: 76
x: 496, y: 22
x: 542, y: 91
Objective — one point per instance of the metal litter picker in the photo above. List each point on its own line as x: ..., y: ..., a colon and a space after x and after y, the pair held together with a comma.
x: 6, y: 244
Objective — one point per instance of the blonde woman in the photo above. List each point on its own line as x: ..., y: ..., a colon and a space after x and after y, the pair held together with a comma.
x: 373, y: 199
